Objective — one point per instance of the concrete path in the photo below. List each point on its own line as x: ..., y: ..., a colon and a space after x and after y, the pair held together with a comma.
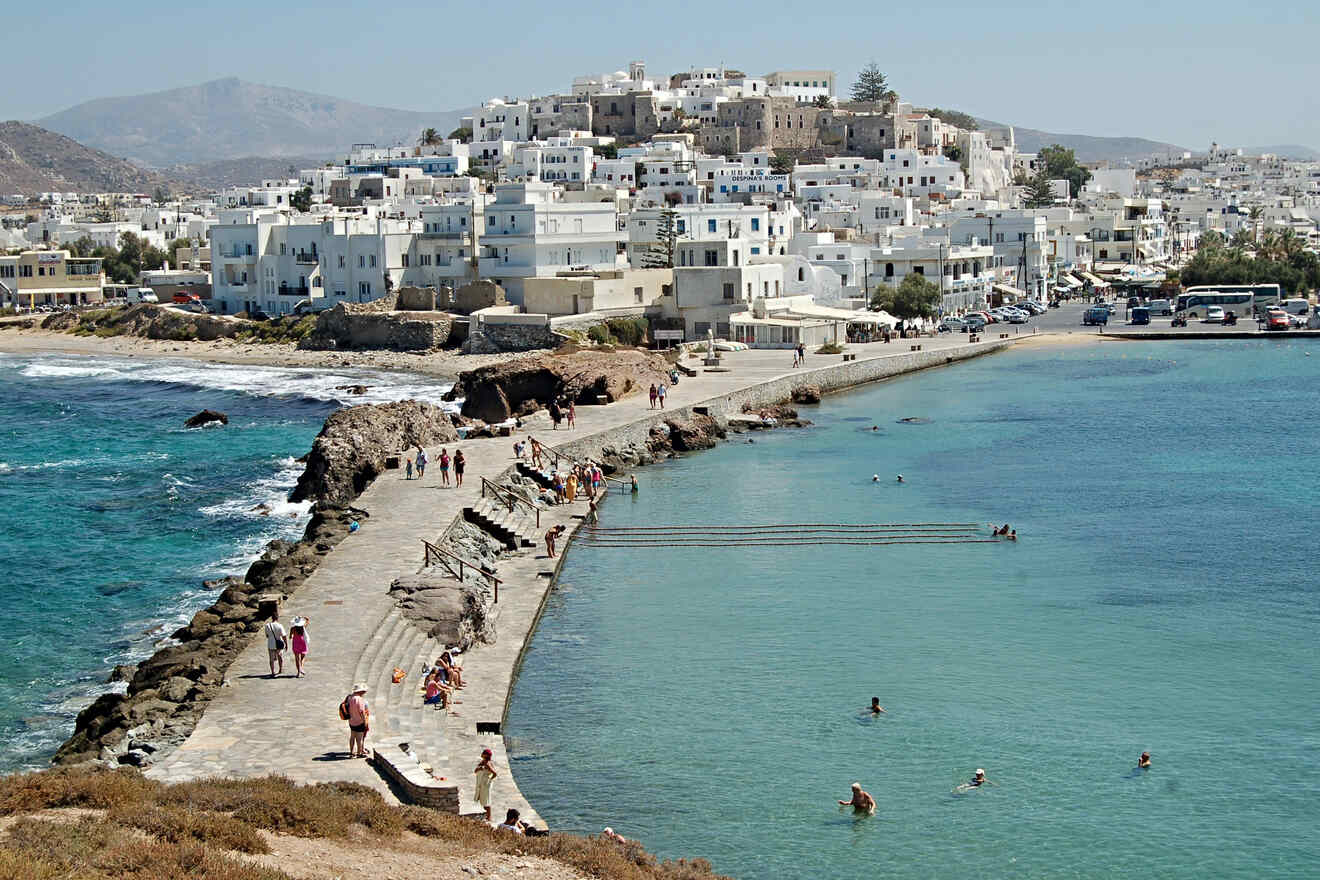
x: 258, y: 725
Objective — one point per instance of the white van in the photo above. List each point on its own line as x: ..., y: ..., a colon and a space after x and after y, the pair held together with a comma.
x: 1160, y: 307
x: 1295, y: 306
x: 142, y: 295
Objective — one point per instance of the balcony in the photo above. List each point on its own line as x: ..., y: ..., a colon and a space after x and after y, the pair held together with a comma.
x: 462, y: 236
x: 286, y: 290
x: 306, y: 258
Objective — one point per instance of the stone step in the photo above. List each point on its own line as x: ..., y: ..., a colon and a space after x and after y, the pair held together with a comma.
x: 385, y: 694
x: 385, y: 633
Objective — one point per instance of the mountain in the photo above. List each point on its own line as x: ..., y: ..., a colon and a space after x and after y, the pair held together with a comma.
x: 247, y: 171
x: 1089, y: 148
x: 34, y: 160
x: 1296, y: 152
x: 231, y: 118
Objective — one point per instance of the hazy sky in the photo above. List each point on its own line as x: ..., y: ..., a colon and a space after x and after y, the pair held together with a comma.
x: 1182, y: 72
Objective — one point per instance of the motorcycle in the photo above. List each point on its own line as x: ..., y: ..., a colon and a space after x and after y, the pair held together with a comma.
x: 1179, y: 321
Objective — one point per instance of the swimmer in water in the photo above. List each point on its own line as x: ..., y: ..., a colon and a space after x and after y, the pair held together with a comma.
x: 876, y: 708
x: 978, y: 778
x: 900, y: 478
x: 1144, y: 761
x: 875, y: 427
x: 875, y: 478
x: 861, y: 801
x: 1012, y: 536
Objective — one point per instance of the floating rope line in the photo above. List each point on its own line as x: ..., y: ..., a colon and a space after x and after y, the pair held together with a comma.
x: 789, y: 526
x: 856, y: 542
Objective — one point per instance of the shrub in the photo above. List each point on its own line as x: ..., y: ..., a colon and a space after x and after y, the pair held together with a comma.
x: 600, y: 334
x: 181, y: 825
x: 628, y: 331
x: 93, y: 789
x: 830, y: 348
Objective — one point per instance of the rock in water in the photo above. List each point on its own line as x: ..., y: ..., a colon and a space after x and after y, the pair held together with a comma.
x: 354, y: 443
x: 205, y: 417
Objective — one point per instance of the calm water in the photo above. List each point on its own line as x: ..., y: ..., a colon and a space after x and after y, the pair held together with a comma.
x: 710, y: 701
x: 115, y: 514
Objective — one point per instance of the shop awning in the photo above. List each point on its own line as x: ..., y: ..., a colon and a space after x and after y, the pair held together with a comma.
x: 1095, y: 282
x: 1009, y: 290
x: 1072, y: 279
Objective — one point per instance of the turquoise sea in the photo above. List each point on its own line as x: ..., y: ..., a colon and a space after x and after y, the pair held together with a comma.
x: 1163, y: 597
x: 114, y: 513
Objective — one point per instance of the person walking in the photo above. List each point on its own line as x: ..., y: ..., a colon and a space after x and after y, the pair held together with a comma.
x: 660, y: 394
x: 485, y: 773
x: 556, y: 415
x: 654, y: 394
x: 410, y: 468
x: 459, y: 464
x: 444, y: 466
x: 359, y: 720
x: 298, y: 643
x: 275, y: 643
x: 572, y: 413
x: 421, y: 462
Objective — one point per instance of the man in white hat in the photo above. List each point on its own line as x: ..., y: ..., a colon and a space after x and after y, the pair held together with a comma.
x: 979, y: 778
x: 861, y: 801
x: 359, y: 721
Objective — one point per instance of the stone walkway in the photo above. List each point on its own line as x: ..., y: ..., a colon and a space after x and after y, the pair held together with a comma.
x: 258, y: 725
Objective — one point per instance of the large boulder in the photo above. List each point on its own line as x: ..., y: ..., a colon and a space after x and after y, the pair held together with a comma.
x: 499, y: 391
x: 353, y: 444
x: 450, y: 612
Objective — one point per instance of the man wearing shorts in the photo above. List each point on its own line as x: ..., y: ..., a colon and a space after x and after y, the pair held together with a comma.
x: 275, y: 642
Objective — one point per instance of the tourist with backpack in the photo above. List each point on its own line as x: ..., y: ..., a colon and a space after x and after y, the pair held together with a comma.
x: 357, y: 713
x: 275, y: 644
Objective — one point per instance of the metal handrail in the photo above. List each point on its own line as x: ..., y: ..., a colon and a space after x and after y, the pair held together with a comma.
x: 625, y: 486
x: 430, y: 550
x: 510, y: 499
x: 544, y: 448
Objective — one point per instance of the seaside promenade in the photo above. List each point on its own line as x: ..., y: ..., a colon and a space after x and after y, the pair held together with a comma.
x: 289, y: 726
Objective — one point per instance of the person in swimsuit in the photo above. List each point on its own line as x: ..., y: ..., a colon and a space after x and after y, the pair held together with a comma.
x: 460, y: 463
x: 1144, y: 761
x: 485, y: 774
x: 876, y: 708
x: 410, y: 468
x: 978, y: 778
x: 444, y: 467
x: 861, y: 801
x: 654, y: 395
x: 359, y: 721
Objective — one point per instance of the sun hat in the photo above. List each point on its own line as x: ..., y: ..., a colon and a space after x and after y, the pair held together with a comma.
x: 980, y: 772
x: 359, y: 688
x: 856, y: 785
x: 299, y: 621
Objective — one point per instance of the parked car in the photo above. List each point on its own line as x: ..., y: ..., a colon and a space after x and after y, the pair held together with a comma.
x: 1295, y: 306
x: 951, y: 324
x: 1160, y: 307
x: 1035, y: 308
x: 1139, y: 315
x: 1278, y: 321
x: 1133, y: 302
x: 973, y: 323
x: 1214, y: 315
x: 1017, y: 317
x: 1095, y: 316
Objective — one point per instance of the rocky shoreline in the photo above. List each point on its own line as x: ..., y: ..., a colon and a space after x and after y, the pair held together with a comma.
x: 168, y: 692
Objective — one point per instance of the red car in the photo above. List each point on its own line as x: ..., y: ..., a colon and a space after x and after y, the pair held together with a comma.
x: 1277, y: 321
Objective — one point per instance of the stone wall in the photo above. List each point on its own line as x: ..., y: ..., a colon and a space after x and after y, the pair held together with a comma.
x: 367, y: 325
x: 489, y: 338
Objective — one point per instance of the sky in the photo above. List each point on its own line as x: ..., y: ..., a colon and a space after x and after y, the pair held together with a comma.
x: 1242, y: 74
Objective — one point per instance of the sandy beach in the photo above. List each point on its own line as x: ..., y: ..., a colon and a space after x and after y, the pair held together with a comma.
x: 443, y: 364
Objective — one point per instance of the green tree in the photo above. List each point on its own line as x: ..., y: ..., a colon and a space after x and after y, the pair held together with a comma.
x: 953, y: 153
x: 302, y: 199
x: 607, y: 151
x: 666, y: 233
x: 871, y: 85
x: 882, y: 297
x: 955, y: 117
x: 824, y: 102
x: 81, y: 247
x: 462, y: 133
x: 1061, y: 163
x: 916, y: 297
x: 160, y: 196
x: 430, y: 137
x: 1255, y: 214
x: 783, y: 161
x: 1039, y: 194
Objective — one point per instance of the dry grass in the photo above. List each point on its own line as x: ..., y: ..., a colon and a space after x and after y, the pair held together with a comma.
x: 150, y: 830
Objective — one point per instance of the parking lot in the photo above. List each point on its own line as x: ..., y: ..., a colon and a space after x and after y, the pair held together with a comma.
x: 1068, y: 318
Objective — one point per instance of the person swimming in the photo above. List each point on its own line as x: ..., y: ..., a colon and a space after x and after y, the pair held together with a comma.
x: 875, y: 478
x: 1144, y: 761
x: 1012, y: 536
x: 900, y: 478
x: 978, y: 778
x: 876, y: 708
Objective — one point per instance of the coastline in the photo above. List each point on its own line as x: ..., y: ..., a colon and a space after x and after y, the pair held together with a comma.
x: 444, y: 364
x: 220, y: 744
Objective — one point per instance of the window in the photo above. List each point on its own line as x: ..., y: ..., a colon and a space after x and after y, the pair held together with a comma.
x: 405, y: 261
x: 362, y: 261
x: 637, y: 295
x: 372, y: 260
x: 710, y: 225
x: 756, y: 250
x: 801, y: 273
x: 341, y: 261
x: 756, y: 224
x: 682, y: 226
x: 728, y: 290
x: 712, y: 257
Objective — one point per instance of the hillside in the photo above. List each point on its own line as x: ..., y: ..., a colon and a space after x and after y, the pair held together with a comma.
x: 1296, y: 152
x: 34, y: 160
x: 1089, y: 148
x: 231, y: 118
x: 247, y: 171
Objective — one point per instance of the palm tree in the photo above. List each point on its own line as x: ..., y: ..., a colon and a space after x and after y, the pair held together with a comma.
x: 429, y: 137
x: 1255, y: 214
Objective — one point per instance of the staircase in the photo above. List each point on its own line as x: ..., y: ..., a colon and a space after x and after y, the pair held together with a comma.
x: 513, y: 529
x: 541, y: 478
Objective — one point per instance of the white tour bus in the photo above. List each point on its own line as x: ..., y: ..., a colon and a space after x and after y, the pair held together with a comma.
x: 1243, y: 300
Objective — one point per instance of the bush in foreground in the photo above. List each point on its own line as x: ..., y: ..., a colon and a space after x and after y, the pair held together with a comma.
x: 147, y: 830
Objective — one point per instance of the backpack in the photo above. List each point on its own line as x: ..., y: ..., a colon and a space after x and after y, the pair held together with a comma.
x: 343, y: 709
